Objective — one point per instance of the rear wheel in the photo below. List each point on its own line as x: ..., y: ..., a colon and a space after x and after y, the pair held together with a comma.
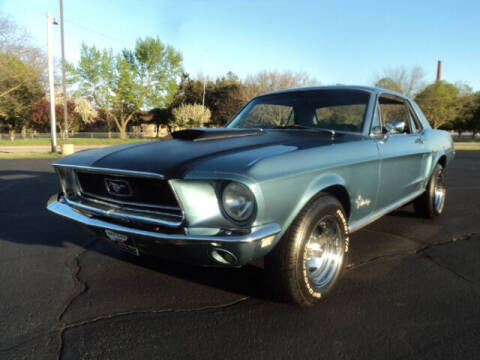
x: 432, y: 201
x: 309, y: 259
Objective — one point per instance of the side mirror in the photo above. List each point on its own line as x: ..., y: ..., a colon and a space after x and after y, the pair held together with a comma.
x: 395, y: 127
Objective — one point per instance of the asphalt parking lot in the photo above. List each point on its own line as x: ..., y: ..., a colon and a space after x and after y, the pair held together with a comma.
x: 412, y: 289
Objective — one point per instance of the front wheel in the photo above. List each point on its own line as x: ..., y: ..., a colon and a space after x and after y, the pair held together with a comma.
x: 309, y: 259
x: 432, y: 202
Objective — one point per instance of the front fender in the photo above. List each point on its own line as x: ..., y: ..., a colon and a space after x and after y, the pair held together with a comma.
x: 441, y: 145
x: 315, y: 186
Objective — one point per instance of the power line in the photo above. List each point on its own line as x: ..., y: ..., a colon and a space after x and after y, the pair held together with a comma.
x: 96, y: 32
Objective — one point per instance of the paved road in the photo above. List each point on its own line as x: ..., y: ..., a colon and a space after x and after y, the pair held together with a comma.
x: 412, y: 289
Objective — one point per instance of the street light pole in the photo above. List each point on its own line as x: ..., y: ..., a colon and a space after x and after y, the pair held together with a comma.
x: 64, y: 84
x: 53, y: 122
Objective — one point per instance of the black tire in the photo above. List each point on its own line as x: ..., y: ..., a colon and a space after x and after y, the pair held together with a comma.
x: 432, y: 202
x: 286, y: 264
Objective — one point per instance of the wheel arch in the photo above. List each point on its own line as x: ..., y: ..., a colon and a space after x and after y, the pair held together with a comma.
x: 341, y: 194
x: 331, y: 184
x: 439, y: 158
x: 442, y: 160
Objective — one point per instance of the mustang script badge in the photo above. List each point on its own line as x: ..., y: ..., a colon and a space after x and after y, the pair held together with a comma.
x: 118, y: 187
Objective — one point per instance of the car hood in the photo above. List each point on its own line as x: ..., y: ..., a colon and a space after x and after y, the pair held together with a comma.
x: 175, y: 157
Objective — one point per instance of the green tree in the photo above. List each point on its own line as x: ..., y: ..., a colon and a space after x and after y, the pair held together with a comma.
x: 15, y: 44
x: 224, y: 96
x: 22, y: 75
x: 189, y: 92
x: 439, y: 102
x: 122, y: 84
x: 388, y: 83
x: 470, y: 114
x: 20, y: 88
x: 457, y: 125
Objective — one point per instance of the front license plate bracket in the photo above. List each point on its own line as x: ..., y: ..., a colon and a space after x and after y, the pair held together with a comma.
x: 122, y: 242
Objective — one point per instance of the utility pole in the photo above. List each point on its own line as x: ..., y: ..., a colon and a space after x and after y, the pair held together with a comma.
x: 64, y: 84
x: 53, y: 122
x: 204, y: 77
x: 203, y: 96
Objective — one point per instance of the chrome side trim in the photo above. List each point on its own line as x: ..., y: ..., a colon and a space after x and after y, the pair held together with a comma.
x: 63, y: 209
x: 357, y: 225
x: 109, y: 171
x: 121, y: 215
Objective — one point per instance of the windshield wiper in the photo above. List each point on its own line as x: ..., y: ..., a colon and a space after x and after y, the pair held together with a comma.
x: 298, y: 126
x: 294, y: 126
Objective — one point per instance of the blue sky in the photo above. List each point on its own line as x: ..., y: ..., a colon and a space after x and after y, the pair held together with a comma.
x: 336, y: 41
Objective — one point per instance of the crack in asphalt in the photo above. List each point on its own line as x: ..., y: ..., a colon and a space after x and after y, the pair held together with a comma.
x: 155, y: 311
x: 31, y: 336
x: 140, y: 312
x: 61, y: 330
x: 462, y: 237
x: 78, y: 283
x: 396, y: 235
x: 443, y: 266
x: 420, y: 251
x: 81, y: 287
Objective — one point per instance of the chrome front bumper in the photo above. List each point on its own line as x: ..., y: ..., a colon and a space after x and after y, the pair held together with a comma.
x: 245, y: 248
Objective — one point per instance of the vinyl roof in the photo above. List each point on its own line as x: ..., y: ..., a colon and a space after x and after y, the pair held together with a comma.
x: 337, y: 87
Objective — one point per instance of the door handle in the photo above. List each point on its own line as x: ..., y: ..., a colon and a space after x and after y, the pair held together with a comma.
x: 419, y: 141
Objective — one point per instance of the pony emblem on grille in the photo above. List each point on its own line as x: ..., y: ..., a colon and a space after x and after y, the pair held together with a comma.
x: 118, y: 187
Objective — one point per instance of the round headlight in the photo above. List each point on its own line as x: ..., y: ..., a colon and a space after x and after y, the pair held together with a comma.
x: 238, y: 201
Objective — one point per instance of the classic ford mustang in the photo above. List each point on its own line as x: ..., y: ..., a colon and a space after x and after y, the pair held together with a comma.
x: 289, y: 178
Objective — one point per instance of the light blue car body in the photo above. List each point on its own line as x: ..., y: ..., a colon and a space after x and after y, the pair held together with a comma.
x: 370, y: 175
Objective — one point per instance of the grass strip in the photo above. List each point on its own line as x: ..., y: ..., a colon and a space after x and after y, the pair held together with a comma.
x: 30, y: 155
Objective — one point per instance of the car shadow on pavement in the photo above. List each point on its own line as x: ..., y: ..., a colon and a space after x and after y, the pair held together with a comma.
x: 25, y: 220
x: 404, y: 212
x: 249, y: 280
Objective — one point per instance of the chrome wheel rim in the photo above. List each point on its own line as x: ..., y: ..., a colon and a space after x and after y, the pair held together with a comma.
x: 439, y: 192
x: 324, y: 252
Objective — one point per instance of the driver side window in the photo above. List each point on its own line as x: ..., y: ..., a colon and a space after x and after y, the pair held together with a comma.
x: 394, y: 110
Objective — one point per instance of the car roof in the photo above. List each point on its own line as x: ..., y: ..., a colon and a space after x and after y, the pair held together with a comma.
x: 371, y: 89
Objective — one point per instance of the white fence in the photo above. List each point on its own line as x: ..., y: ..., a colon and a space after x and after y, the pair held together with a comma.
x: 80, y: 135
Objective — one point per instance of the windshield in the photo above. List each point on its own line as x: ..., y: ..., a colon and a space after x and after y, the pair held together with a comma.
x: 339, y: 110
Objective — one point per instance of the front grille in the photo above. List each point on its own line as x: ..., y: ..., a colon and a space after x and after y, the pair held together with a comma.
x: 126, y: 198
x: 126, y: 214
x: 143, y: 192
